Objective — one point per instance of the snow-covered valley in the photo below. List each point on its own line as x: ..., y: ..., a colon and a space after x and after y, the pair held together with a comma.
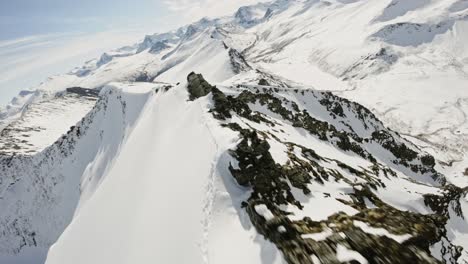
x: 315, y: 132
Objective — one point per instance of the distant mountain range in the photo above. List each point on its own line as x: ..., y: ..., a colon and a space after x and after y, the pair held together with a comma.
x: 291, y: 132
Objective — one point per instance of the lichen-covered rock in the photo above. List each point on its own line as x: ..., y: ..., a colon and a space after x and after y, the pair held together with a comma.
x: 197, y: 86
x: 263, y: 82
x: 402, y: 236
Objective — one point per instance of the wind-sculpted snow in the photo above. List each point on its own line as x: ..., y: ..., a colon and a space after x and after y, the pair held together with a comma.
x: 40, y: 192
x: 270, y: 159
x: 170, y: 196
x: 34, y: 131
x: 284, y: 160
x: 399, y: 8
x: 412, y: 34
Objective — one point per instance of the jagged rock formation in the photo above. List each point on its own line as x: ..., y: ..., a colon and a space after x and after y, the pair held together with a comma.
x: 197, y: 86
x: 410, y: 235
x: 259, y: 154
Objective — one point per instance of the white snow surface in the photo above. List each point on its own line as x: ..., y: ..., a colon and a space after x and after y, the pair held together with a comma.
x: 162, y: 206
x: 319, y: 236
x: 38, y: 127
x: 263, y: 210
x: 344, y: 255
x: 165, y: 208
x: 381, y: 232
x: 148, y: 177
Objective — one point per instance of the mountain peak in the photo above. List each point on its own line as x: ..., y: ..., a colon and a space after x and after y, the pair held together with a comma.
x: 289, y: 132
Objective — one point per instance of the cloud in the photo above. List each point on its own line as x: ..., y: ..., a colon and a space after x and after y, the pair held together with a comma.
x: 191, y: 10
x: 28, y: 61
x: 181, y: 5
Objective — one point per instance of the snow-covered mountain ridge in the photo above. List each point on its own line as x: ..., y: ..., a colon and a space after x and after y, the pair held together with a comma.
x: 282, y: 173
x: 270, y: 156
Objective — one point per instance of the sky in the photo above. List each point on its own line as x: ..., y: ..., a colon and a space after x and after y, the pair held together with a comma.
x: 40, y: 38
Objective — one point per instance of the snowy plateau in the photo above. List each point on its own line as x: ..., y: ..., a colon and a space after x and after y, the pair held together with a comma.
x: 293, y: 131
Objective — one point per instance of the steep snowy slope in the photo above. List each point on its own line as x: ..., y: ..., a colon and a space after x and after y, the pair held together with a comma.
x: 40, y: 193
x: 35, y: 129
x: 165, y: 208
x: 269, y: 167
x: 259, y: 158
x: 406, y: 60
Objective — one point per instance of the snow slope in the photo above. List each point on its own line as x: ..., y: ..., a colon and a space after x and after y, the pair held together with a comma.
x: 404, y: 60
x: 162, y: 205
x: 34, y: 131
x: 202, y: 207
x: 150, y: 173
x: 40, y: 193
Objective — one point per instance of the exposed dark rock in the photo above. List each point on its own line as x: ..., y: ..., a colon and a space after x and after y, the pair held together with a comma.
x: 263, y: 82
x: 268, y: 182
x: 238, y: 62
x: 428, y: 160
x: 272, y: 183
x: 84, y: 91
x: 143, y: 77
x: 197, y: 86
x: 406, y: 156
x: 323, y: 130
x: 399, y: 150
x: 449, y: 198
